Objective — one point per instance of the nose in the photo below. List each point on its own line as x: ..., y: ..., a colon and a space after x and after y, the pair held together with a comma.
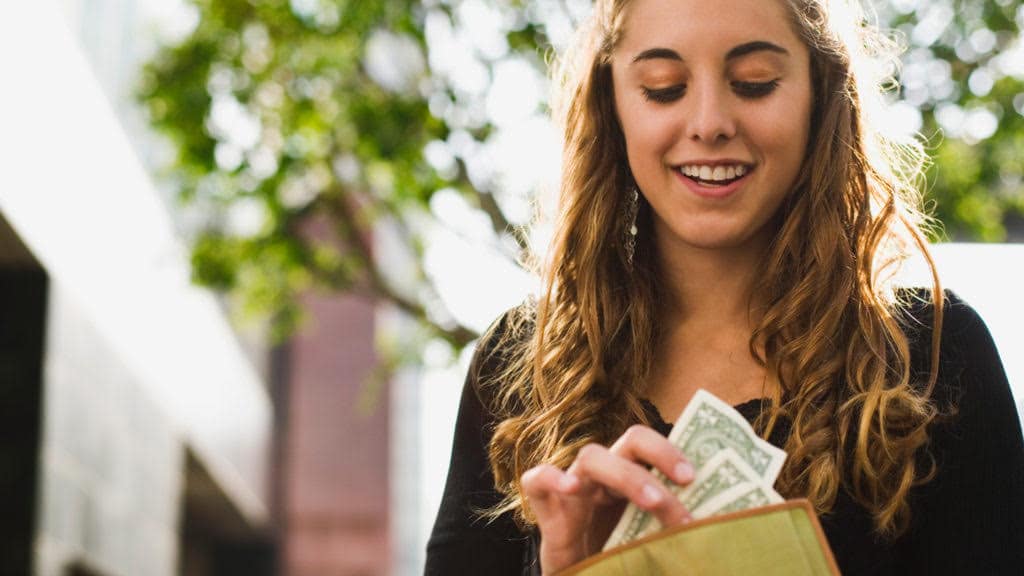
x: 710, y: 119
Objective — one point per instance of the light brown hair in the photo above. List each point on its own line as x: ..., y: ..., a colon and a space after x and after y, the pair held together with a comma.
x: 575, y: 363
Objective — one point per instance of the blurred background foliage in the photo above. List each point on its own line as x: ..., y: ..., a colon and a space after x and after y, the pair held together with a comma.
x: 302, y: 128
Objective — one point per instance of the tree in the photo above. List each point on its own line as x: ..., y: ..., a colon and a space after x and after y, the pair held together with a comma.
x: 302, y: 126
x: 964, y: 71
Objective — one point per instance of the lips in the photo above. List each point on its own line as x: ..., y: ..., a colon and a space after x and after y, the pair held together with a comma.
x: 713, y: 183
x: 714, y: 179
x: 714, y: 173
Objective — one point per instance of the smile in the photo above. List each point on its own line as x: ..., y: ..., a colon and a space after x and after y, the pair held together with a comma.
x: 718, y: 175
x: 714, y: 180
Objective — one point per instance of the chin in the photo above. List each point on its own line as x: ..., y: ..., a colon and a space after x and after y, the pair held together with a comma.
x: 725, y: 234
x: 714, y: 233
x: 711, y: 237
x: 710, y: 241
x: 722, y: 243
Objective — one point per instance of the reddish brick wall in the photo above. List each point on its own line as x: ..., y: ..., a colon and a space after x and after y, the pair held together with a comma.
x: 336, y: 457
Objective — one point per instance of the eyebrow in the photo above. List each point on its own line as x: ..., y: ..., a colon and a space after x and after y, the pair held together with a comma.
x: 755, y: 46
x: 734, y: 53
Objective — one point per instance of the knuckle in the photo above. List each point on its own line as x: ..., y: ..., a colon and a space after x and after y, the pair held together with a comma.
x: 588, y: 454
x: 678, y: 514
x: 634, y: 433
x: 638, y: 488
x: 530, y: 477
x: 537, y: 473
x: 635, y: 479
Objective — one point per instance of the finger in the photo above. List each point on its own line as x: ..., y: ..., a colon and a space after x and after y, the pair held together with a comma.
x: 544, y: 479
x: 640, y: 443
x: 597, y: 464
x: 543, y: 482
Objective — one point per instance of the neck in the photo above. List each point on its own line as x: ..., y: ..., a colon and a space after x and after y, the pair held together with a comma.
x: 711, y: 287
x: 710, y: 314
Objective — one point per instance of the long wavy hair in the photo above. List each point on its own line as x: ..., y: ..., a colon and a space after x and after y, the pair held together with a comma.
x: 575, y: 362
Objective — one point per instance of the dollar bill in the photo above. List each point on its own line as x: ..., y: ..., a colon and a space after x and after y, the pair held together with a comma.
x: 726, y: 470
x: 722, y: 475
x: 744, y: 497
x: 708, y: 425
x: 731, y: 461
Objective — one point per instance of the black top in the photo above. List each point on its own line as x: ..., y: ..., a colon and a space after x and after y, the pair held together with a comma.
x: 967, y: 520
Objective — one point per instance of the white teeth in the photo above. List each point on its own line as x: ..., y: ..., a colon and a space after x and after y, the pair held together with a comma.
x: 714, y: 173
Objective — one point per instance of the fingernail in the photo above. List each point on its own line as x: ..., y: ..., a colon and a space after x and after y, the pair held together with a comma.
x: 684, y: 472
x: 651, y: 495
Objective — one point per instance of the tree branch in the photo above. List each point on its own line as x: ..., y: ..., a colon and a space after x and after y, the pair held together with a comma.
x: 486, y: 202
x: 355, y: 236
x: 501, y: 225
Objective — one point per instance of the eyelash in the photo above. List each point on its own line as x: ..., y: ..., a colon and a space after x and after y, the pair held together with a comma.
x: 755, y: 89
x: 750, y: 90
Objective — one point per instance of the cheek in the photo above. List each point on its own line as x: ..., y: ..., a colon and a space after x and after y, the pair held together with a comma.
x: 645, y: 128
x: 785, y: 130
x: 648, y: 133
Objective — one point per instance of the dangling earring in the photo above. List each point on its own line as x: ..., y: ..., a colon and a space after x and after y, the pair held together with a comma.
x: 629, y: 240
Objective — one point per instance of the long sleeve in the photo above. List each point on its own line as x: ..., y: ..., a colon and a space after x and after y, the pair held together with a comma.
x: 462, y: 542
x: 970, y: 518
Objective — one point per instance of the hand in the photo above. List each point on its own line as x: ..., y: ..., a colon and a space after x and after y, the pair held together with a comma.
x: 577, y: 509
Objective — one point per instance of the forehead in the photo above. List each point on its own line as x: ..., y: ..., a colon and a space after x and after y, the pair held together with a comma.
x: 704, y: 24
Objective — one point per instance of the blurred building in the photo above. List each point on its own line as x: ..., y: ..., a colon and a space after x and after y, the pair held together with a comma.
x: 139, y: 434
x: 136, y: 430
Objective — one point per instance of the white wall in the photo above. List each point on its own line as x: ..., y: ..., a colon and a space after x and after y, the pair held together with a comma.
x: 112, y: 462
x: 76, y: 194
x: 990, y: 277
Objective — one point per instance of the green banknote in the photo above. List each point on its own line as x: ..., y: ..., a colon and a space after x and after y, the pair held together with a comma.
x: 708, y: 425
x: 731, y: 461
x: 749, y: 496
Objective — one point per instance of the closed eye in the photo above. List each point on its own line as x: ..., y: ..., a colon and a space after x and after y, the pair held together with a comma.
x: 751, y: 90
x: 754, y: 89
x: 664, y: 95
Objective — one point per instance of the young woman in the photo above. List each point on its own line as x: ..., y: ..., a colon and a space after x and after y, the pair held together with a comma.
x: 731, y: 213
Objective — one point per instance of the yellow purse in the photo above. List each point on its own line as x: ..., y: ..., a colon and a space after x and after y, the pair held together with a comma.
x: 781, y: 539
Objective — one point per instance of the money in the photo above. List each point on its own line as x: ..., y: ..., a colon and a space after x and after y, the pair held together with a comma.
x: 750, y: 496
x: 735, y: 469
x: 708, y: 425
x: 721, y: 474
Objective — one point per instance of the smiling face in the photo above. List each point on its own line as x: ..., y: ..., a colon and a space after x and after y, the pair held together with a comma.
x: 714, y: 100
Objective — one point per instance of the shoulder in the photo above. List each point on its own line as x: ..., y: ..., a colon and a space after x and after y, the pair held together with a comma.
x: 961, y: 323
x: 502, y: 344
x: 965, y: 345
x: 916, y: 309
x: 975, y: 445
